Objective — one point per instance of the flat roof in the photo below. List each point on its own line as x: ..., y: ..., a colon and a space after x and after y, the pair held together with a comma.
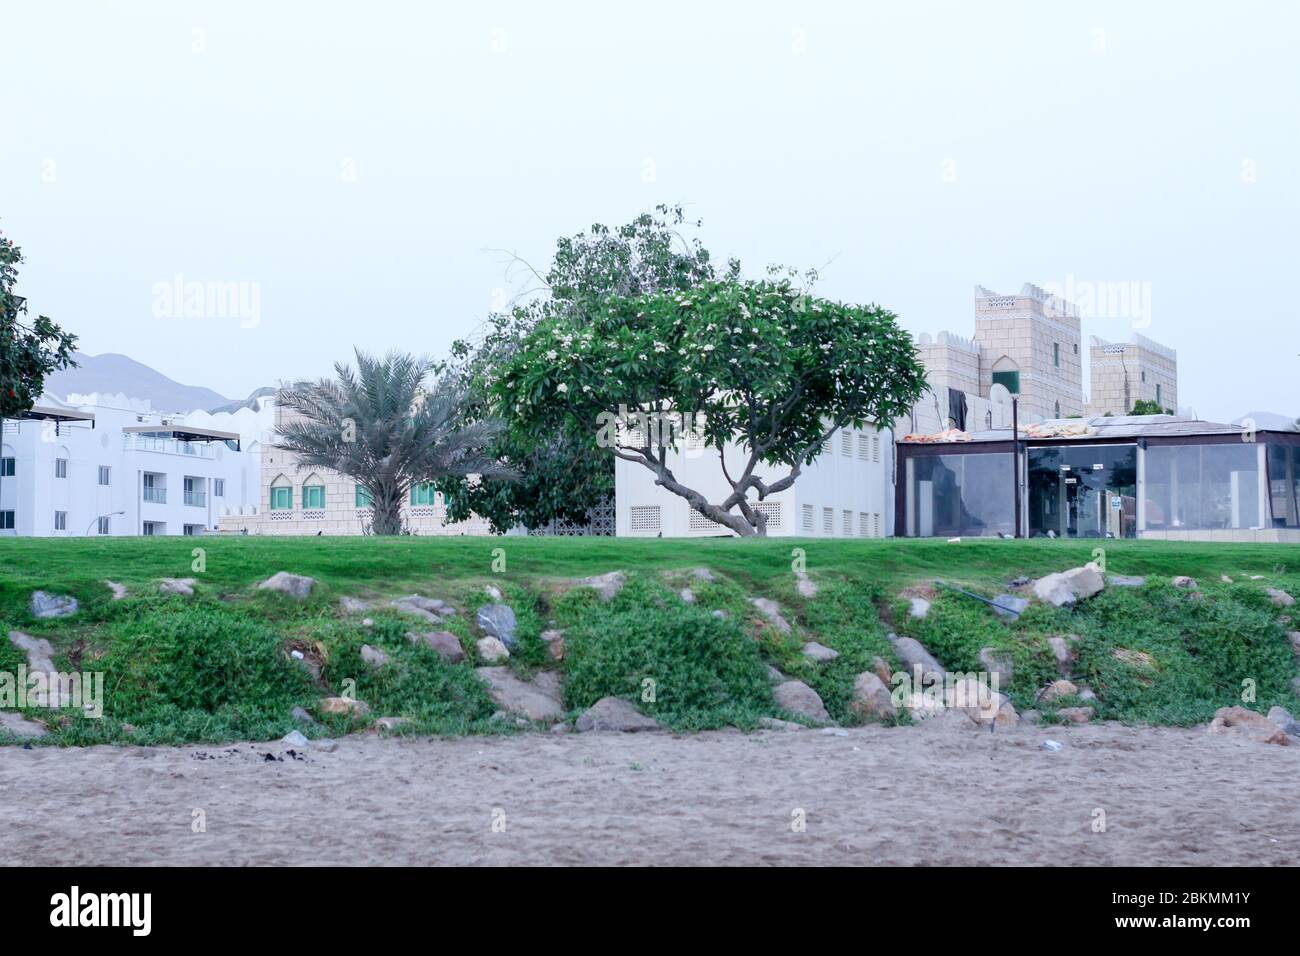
x: 182, y: 432
x: 49, y: 413
x: 1101, y: 428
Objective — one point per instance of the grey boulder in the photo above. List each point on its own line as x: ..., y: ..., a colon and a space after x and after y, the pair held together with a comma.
x: 498, y: 620
x: 45, y: 605
x: 614, y: 714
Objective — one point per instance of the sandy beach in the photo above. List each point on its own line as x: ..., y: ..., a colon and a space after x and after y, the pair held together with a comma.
x: 927, y: 795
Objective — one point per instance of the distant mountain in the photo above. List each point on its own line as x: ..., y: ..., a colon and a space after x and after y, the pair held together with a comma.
x: 250, y: 402
x: 1270, y: 421
x: 110, y: 373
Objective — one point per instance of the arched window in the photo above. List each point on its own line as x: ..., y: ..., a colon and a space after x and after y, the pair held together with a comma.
x: 1007, y: 374
x: 281, y: 494
x: 313, y: 493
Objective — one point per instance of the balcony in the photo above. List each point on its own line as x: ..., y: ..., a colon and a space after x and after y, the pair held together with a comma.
x: 168, y: 446
x: 196, y: 499
x: 155, y: 494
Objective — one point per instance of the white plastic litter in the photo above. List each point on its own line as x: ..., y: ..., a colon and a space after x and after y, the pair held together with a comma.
x: 1053, y: 746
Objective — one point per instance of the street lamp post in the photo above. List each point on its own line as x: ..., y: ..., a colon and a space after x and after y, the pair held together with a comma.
x: 111, y: 514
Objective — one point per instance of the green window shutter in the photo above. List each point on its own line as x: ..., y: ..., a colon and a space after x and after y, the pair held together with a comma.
x: 313, y: 496
x: 422, y: 494
x: 1009, y: 380
x: 281, y: 499
x: 364, y: 498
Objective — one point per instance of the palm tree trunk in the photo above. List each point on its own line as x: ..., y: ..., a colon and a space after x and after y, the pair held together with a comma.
x: 388, y: 511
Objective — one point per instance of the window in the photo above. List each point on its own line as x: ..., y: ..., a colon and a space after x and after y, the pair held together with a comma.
x: 876, y: 522
x: 875, y: 448
x: 846, y: 444
x: 848, y: 523
x: 154, y: 489
x: 1008, y: 380
x: 1058, y: 410
x: 363, y: 497
x: 152, y: 528
x: 644, y: 518
x: 808, y: 518
x: 1144, y: 375
x: 864, y: 525
x: 1202, y: 486
x: 218, y: 487
x: 60, y: 468
x: 422, y: 494
x: 1076, y: 348
x: 699, y: 522
x: 6, y: 467
x: 966, y: 494
x: 103, y: 525
x: 193, y: 492
x: 6, y: 520
x: 282, y: 499
x: 1159, y: 401
x: 864, y: 447
x: 828, y: 520
x: 60, y: 521
x: 193, y: 530
x: 313, y: 497
x: 105, y: 473
x: 1056, y: 354
x: 772, y: 509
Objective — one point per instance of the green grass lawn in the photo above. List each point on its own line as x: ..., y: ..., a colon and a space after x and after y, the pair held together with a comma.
x: 216, y: 666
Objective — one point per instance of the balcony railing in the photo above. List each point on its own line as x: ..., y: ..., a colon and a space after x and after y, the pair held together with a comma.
x: 155, y: 494
x: 196, y: 498
x: 133, y: 441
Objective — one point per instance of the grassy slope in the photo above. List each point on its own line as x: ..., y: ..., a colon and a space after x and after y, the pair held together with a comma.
x: 214, y: 668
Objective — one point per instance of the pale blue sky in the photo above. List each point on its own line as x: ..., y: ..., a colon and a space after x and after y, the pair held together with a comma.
x: 1109, y: 142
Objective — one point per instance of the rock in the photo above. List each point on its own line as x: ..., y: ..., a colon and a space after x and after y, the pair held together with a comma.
x: 1125, y: 580
x: 40, y: 660
x: 819, y: 652
x: 703, y: 574
x: 561, y: 729
x: 1295, y: 686
x: 1009, y: 607
x: 1064, y: 654
x: 772, y: 611
x: 923, y: 706
x: 1183, y: 581
x: 1282, y: 718
x: 606, y: 585
x: 798, y: 698
x: 1225, y: 579
x: 1068, y: 587
x: 492, y: 591
x: 183, y: 587
x: 538, y: 699
x: 490, y: 649
x: 325, y: 745
x: 389, y: 724
x: 614, y: 714
x: 720, y: 614
x: 343, y: 705
x: 913, y: 654
x: 294, y: 738
x: 431, y: 609
x: 367, y: 622
x: 294, y: 585
x: 806, y: 586
x: 45, y: 605
x: 918, y: 607
x: 299, y: 714
x: 871, y: 697
x: 498, y: 620
x: 775, y: 723
x: 118, y: 590
x: 1076, y: 715
x: 1247, y: 723
x: 882, y: 671
x: 994, y: 661
x: 1031, y: 717
x: 1056, y: 689
x: 445, y: 643
x: 18, y: 725
x: 373, y: 656
x: 1087, y: 693
x: 980, y: 703
x: 351, y: 605
x: 554, y: 641
x: 1294, y: 638
x: 1279, y: 597
x: 834, y: 732
x: 774, y: 675
x: 687, y: 596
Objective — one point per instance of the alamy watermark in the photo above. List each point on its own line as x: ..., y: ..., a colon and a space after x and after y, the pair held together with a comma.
x: 1128, y: 300
x: 53, y: 689
x: 656, y: 429
x: 190, y: 299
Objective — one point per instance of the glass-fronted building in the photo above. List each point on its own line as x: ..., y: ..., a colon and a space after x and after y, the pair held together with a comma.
x: 1151, y: 476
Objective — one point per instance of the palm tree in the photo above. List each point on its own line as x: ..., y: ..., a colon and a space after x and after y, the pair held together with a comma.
x: 381, y: 427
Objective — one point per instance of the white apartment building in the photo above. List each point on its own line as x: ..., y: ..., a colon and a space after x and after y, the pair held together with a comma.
x: 847, y: 492
x: 110, y: 465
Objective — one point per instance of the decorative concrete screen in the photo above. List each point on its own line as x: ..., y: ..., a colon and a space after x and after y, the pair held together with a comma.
x: 960, y: 495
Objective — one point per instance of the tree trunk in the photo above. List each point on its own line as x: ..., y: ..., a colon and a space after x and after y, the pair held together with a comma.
x: 387, y: 505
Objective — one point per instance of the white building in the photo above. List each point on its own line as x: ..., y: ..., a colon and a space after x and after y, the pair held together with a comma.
x: 847, y: 492
x: 110, y: 465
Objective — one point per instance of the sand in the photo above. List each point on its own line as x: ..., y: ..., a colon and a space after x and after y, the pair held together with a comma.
x: 875, y: 796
